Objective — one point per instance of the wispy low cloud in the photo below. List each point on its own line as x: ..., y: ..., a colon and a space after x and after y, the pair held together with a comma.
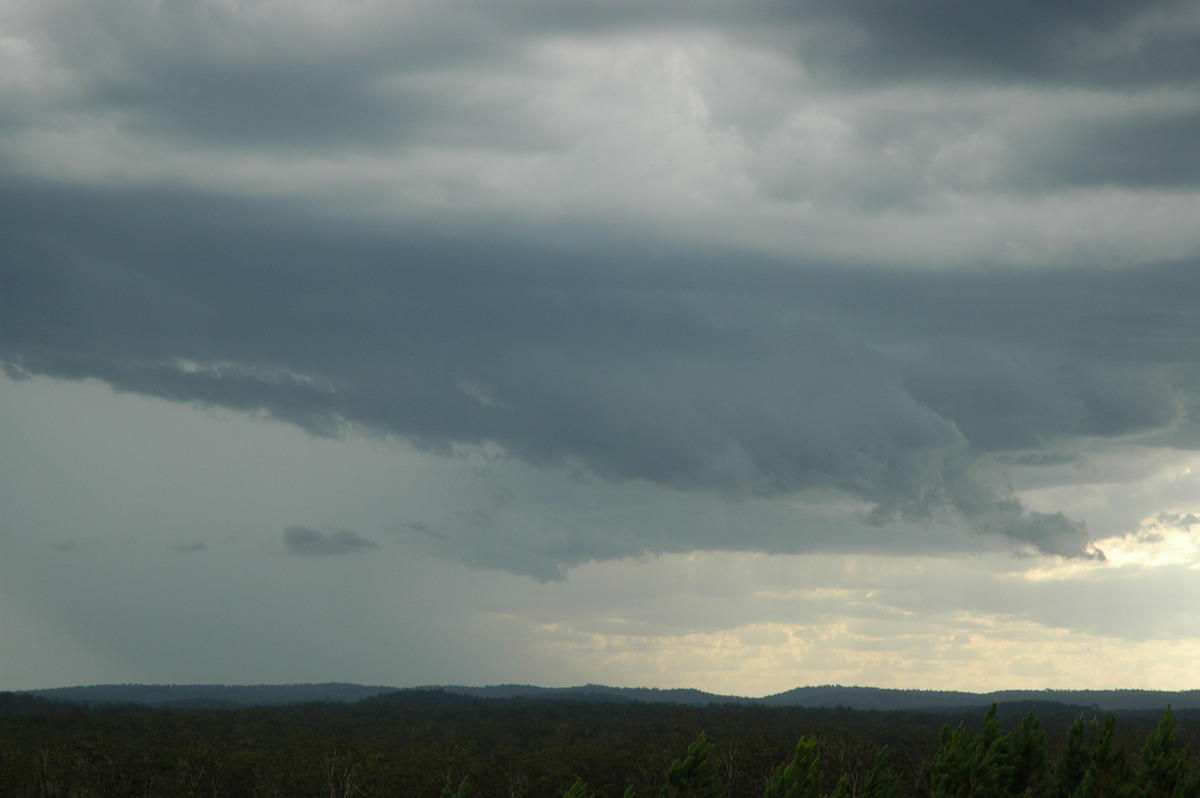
x: 306, y: 540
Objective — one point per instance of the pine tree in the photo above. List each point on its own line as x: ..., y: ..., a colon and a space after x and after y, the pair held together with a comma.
x: 882, y: 781
x: 1029, y: 774
x: 1164, y: 769
x: 979, y: 767
x: 696, y: 776
x: 951, y: 765
x: 463, y: 790
x: 802, y: 777
x: 579, y: 790
x: 1073, y: 765
x: 1092, y: 765
x: 842, y: 788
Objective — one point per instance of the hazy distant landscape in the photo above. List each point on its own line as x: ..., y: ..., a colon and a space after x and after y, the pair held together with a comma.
x: 593, y: 742
x: 829, y: 696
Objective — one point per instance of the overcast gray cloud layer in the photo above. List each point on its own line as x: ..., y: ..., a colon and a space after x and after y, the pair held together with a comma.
x: 872, y: 247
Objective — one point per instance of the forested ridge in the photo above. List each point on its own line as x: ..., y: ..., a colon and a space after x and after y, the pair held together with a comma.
x: 433, y: 743
x: 830, y: 695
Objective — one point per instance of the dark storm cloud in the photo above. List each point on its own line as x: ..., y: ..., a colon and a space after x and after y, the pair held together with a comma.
x: 356, y: 76
x: 1145, y: 151
x: 248, y: 79
x: 594, y: 339
x: 742, y: 378
x: 305, y: 540
x: 305, y: 103
x: 1113, y: 42
x: 1110, y: 42
x: 318, y: 78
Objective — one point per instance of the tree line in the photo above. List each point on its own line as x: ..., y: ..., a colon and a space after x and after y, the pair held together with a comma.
x: 444, y: 746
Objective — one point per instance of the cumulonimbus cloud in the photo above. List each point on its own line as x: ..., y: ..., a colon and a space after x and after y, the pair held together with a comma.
x: 666, y: 280
x: 740, y: 392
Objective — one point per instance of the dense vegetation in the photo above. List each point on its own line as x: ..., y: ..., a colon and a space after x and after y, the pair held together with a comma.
x: 437, y: 744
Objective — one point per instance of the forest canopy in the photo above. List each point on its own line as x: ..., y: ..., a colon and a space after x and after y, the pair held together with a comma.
x: 431, y: 743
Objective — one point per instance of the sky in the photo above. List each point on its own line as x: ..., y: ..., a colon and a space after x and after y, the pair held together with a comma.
x: 737, y: 347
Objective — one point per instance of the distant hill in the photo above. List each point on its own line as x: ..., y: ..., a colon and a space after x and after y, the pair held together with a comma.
x: 881, y: 699
x: 593, y: 692
x: 859, y: 698
x: 211, y: 695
